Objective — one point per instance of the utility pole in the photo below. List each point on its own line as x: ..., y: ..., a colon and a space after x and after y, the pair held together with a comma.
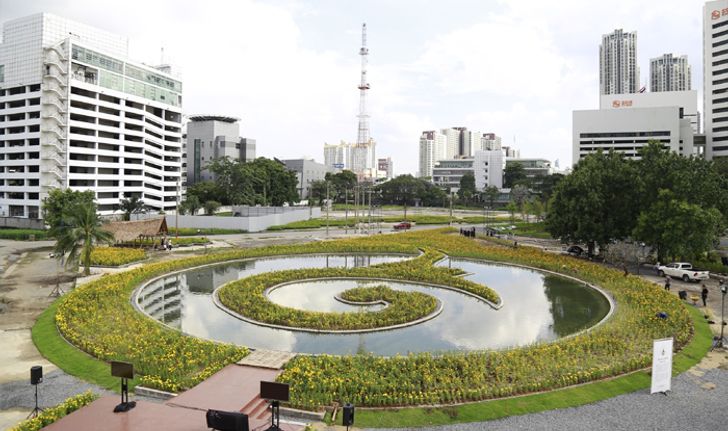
x: 176, y: 209
x: 451, y: 196
x: 346, y: 211
x: 327, y: 209
x: 369, y: 227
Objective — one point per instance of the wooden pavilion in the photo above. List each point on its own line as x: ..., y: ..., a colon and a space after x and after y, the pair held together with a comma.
x: 129, y: 232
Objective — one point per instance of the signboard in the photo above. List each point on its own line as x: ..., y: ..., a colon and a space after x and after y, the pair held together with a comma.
x: 339, y: 165
x: 661, y: 365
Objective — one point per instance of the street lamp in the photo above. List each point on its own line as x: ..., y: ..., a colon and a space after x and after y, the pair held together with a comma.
x: 723, y: 290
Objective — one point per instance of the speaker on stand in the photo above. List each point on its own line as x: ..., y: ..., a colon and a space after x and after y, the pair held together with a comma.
x: 36, y: 378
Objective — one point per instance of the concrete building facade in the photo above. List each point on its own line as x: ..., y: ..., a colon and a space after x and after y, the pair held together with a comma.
x: 433, y: 147
x: 686, y: 101
x: 447, y: 173
x: 670, y: 73
x: 75, y: 113
x: 211, y: 137
x: 336, y: 156
x: 307, y: 171
x: 618, y: 69
x: 628, y: 130
x: 715, y: 78
x: 488, y: 169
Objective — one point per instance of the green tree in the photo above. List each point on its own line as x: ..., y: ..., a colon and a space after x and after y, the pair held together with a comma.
x: 676, y: 228
x: 511, y: 207
x: 211, y: 207
x: 430, y: 195
x: 519, y: 195
x: 514, y: 174
x: 318, y: 191
x: 205, y: 191
x: 339, y: 183
x: 132, y: 205
x: 192, y: 204
x: 467, y: 187
x: 59, y: 204
x: 401, y: 191
x: 545, y: 188
x: 490, y: 195
x: 597, y: 203
x: 79, y: 233
x: 536, y: 208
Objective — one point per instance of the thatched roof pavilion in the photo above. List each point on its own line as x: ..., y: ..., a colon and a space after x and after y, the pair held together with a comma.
x: 127, y: 231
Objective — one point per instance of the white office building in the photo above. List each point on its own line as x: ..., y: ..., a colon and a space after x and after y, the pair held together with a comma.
x: 628, y: 130
x: 670, y: 73
x: 488, y: 169
x: 618, y: 69
x: 448, y: 173
x: 687, y: 101
x: 433, y: 147
x: 715, y: 78
x: 75, y: 113
x: 212, y: 137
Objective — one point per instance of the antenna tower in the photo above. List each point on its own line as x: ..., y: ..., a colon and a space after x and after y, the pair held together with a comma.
x: 363, y: 135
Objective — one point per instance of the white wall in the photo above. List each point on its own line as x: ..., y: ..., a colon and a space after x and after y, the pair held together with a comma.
x: 250, y: 224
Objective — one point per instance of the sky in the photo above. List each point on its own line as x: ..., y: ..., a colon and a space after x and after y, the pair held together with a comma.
x: 290, y: 68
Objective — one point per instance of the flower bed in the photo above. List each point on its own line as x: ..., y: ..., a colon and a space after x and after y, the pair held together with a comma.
x: 50, y: 415
x: 99, y: 318
x: 247, y: 298
x: 112, y: 256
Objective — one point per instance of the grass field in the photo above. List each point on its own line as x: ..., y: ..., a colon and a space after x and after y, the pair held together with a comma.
x: 23, y: 234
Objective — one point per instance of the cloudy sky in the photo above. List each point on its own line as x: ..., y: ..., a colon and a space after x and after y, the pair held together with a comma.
x: 289, y: 68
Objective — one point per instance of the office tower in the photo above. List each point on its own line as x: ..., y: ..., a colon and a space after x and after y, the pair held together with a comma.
x: 715, y: 78
x: 75, y: 113
x: 433, y: 148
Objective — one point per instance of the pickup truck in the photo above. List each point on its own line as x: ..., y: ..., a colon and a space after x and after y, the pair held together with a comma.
x: 683, y: 270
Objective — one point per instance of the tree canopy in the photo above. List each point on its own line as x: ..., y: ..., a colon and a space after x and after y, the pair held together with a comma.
x: 60, y: 204
x: 514, y: 174
x: 676, y: 205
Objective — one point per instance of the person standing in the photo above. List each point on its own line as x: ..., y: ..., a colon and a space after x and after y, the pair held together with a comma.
x: 667, y: 283
x: 704, y: 295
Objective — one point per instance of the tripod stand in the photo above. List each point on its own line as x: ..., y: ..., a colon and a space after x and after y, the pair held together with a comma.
x: 275, y: 417
x: 37, y: 409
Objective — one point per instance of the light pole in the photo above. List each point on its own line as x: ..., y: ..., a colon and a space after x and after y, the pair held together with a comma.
x: 327, y: 209
x: 723, y: 290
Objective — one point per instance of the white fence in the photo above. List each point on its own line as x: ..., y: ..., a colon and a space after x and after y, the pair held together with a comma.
x: 254, y: 219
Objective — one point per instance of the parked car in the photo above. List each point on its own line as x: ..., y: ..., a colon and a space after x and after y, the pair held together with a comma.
x: 403, y: 225
x: 682, y: 270
x: 575, y: 250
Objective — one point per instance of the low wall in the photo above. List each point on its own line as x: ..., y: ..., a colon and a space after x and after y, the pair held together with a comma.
x: 22, y: 223
x: 259, y: 220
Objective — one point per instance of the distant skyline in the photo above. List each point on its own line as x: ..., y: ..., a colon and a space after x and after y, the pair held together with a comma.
x: 290, y: 69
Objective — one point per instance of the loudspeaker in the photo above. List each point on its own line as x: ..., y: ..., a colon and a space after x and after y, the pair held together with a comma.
x: 36, y: 374
x: 274, y: 391
x: 347, y: 416
x: 227, y: 421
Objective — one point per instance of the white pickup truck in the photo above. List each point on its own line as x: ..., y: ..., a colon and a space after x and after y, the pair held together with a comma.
x: 683, y: 270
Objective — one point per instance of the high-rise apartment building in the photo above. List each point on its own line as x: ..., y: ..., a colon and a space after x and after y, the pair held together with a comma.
x: 489, y: 142
x: 670, y: 73
x: 336, y: 156
x: 715, y: 78
x: 211, y: 137
x: 385, y: 168
x: 75, y: 113
x: 433, y: 148
x: 461, y: 142
x: 618, y: 69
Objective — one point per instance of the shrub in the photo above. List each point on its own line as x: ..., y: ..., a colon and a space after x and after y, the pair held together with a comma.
x: 50, y: 415
x: 112, y: 256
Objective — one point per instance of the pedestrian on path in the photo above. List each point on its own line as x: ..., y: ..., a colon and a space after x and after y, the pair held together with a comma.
x: 704, y: 295
x: 667, y: 283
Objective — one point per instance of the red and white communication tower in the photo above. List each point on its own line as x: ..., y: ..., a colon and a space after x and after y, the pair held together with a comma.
x: 363, y: 135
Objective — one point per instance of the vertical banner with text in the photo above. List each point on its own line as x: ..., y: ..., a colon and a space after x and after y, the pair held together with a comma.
x: 661, y: 365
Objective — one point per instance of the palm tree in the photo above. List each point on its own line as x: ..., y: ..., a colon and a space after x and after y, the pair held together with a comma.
x: 78, y: 234
x: 131, y: 206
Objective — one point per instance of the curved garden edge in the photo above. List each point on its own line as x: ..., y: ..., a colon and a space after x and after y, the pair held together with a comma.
x: 570, y: 396
x: 78, y: 363
x: 438, y: 310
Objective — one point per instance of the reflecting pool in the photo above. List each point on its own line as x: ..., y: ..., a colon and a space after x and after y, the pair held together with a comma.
x: 537, y: 307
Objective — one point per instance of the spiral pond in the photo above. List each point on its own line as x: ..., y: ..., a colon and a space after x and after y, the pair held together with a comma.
x: 537, y: 307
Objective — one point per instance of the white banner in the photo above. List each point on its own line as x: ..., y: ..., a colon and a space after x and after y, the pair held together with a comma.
x: 661, y: 365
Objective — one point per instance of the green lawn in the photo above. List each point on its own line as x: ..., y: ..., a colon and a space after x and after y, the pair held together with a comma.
x: 68, y: 358
x: 23, y: 234
x: 569, y: 397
